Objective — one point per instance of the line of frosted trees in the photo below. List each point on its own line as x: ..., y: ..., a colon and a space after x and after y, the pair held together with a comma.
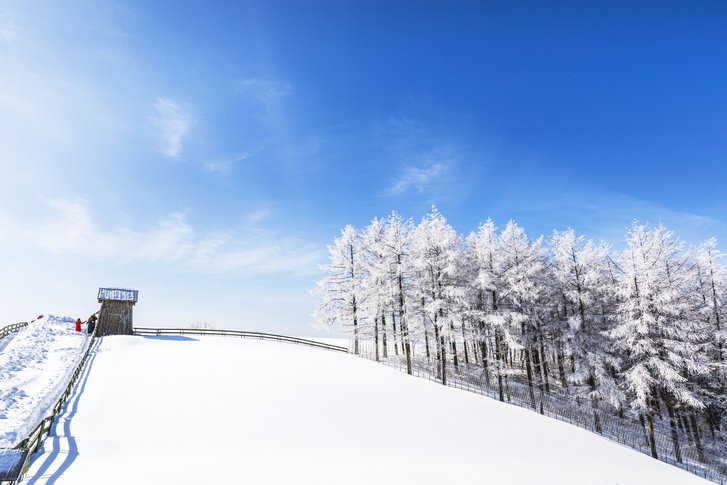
x: 639, y: 331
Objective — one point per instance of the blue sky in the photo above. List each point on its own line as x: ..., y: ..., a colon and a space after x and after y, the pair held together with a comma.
x: 206, y: 154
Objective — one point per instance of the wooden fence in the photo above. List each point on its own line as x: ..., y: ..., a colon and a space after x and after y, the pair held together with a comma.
x: 12, y: 328
x: 620, y: 430
x: 34, y: 439
x: 158, y: 332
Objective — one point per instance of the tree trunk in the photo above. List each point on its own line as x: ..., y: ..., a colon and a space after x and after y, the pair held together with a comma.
x: 698, y: 439
x: 498, y: 357
x: 426, y: 342
x: 561, y: 369
x: 376, y: 337
x: 404, y: 325
x: 464, y: 340
x: 544, y: 365
x: 674, y: 432
x: 652, y: 439
x: 444, y: 359
x: 483, y: 351
x: 384, y: 343
x: 597, y: 421
x: 715, y: 304
x: 393, y: 333
x: 439, y: 350
x: 454, y: 346
x: 643, y: 428
x: 529, y: 370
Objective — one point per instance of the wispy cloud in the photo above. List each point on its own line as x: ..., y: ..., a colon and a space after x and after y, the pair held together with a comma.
x: 429, y: 160
x: 70, y: 230
x: 417, y: 179
x: 264, y: 89
x: 171, y: 123
x: 259, y: 215
x: 225, y: 164
x: 9, y: 30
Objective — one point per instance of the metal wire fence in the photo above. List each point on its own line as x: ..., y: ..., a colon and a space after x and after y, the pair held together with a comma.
x: 628, y: 432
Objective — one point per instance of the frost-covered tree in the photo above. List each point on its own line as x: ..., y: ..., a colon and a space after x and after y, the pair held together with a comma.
x: 711, y: 304
x: 582, y: 277
x: 656, y: 328
x: 524, y: 290
x: 712, y: 283
x: 436, y: 250
x: 643, y: 329
x: 396, y: 251
x: 374, y: 285
x: 485, y: 266
x: 342, y: 290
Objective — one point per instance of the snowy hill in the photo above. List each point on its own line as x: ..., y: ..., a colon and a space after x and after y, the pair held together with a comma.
x: 35, y: 364
x: 222, y: 410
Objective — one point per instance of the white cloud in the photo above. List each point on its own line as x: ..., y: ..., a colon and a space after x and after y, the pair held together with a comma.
x: 259, y: 215
x: 9, y: 31
x: 263, y: 89
x: 70, y: 230
x: 220, y: 166
x: 224, y: 165
x: 171, y: 123
x: 430, y: 162
x: 418, y: 178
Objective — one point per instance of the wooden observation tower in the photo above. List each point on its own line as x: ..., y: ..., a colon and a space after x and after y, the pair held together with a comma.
x: 116, y: 316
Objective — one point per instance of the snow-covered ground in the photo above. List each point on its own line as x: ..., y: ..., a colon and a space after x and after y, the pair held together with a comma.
x: 35, y: 365
x: 189, y: 410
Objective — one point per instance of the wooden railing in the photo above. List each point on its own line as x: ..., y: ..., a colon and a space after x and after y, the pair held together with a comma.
x: 12, y: 328
x: 34, y: 439
x: 158, y: 332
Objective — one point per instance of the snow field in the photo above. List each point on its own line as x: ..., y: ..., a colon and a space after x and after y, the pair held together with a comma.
x: 186, y: 410
x: 35, y: 367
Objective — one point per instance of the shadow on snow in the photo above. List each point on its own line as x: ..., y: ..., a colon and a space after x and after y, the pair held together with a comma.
x: 64, y: 418
x: 174, y: 338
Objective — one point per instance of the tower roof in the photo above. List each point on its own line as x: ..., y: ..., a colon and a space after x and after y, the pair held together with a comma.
x: 118, y: 294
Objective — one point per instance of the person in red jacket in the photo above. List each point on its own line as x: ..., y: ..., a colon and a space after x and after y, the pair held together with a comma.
x: 78, y: 325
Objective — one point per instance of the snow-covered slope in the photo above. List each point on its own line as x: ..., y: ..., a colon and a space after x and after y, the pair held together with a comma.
x: 34, y: 369
x: 183, y: 410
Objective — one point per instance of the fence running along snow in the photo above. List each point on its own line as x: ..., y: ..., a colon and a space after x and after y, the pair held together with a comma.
x: 24, y: 451
x: 12, y: 328
x: 621, y: 430
x: 26, y: 448
x: 612, y: 427
x: 159, y: 332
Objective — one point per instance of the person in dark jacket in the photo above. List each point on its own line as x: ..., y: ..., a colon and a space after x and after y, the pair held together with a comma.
x: 78, y: 325
x: 91, y: 324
